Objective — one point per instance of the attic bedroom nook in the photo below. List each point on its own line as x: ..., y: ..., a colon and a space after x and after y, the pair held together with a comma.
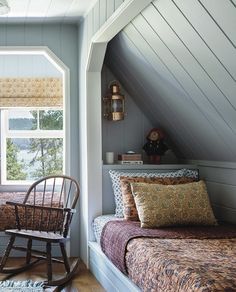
x: 160, y: 65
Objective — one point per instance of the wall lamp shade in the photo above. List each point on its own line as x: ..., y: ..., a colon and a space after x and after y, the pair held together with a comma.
x: 4, y: 7
x: 114, y: 103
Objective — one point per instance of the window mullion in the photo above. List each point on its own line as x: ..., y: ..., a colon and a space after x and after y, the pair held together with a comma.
x: 35, y: 134
x: 38, y: 119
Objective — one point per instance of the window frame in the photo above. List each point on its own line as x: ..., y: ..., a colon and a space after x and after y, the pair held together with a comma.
x: 6, y: 133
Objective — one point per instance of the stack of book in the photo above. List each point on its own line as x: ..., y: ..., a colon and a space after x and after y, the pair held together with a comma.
x: 133, y: 158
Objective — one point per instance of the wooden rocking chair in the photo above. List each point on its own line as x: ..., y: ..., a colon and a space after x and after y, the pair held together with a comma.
x: 44, y: 215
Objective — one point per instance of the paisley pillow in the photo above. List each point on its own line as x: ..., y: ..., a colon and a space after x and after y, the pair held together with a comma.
x: 115, y: 179
x: 173, y: 205
x: 130, y: 210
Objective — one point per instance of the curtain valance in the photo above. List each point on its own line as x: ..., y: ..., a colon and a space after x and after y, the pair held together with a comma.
x: 31, y: 92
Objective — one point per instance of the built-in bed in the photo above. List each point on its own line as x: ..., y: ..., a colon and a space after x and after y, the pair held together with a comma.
x: 199, y: 258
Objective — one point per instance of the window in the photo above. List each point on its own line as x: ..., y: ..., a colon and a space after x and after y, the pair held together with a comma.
x: 32, y: 144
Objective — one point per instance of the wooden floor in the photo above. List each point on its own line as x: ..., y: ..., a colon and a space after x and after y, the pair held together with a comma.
x: 83, y: 281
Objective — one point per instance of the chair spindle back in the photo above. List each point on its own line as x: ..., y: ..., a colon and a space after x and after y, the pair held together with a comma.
x: 49, y: 205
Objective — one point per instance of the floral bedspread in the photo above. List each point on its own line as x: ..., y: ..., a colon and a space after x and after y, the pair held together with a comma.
x: 199, y: 258
x: 182, y: 264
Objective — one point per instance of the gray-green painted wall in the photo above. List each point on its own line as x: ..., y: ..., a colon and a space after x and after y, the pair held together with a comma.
x: 62, y: 40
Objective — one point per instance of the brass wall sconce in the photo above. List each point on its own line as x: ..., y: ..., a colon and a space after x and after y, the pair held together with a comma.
x: 114, y: 103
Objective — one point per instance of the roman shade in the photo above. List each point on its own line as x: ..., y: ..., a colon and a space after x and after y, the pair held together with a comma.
x: 31, y: 92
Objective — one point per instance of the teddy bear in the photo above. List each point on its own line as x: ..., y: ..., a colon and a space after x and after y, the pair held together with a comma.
x: 155, y: 146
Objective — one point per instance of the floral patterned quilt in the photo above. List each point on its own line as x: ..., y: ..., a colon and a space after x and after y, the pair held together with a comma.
x: 182, y: 264
x: 175, y: 258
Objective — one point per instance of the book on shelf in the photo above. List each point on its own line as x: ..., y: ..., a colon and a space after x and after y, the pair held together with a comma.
x: 123, y: 162
x: 130, y: 157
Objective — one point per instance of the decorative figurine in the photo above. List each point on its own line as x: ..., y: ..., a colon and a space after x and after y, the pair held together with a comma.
x: 155, y: 145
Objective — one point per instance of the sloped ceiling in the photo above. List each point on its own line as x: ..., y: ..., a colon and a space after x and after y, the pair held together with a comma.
x: 177, y: 59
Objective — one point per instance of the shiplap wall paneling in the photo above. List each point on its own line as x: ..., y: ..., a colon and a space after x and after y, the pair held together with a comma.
x: 202, y: 59
x: 117, y: 63
x: 204, y: 110
x: 118, y: 3
x: 199, y: 103
x: 103, y: 11
x: 207, y: 82
x: 150, y: 53
x: 54, y: 38
x: 137, y: 78
x: 226, y: 24
x: 233, y: 2
x: 110, y: 7
x: 217, y: 43
x: 163, y: 24
x: 214, y: 173
x: 96, y: 17
x: 36, y: 33
x: 141, y: 93
x: 137, y: 93
x: 13, y: 38
x: 221, y: 186
x: 117, y: 136
x: 90, y: 27
x: 191, y: 65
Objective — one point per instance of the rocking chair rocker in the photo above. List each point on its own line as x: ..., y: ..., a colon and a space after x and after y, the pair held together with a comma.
x: 44, y: 215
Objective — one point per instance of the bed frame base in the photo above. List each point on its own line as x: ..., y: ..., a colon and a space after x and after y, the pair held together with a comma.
x: 106, y: 273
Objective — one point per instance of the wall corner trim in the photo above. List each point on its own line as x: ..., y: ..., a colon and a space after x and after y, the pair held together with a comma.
x: 119, y: 19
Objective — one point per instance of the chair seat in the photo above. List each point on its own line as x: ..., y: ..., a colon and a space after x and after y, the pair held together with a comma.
x: 38, y: 235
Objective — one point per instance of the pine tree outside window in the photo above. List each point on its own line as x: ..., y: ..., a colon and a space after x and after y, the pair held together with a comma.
x: 32, y: 143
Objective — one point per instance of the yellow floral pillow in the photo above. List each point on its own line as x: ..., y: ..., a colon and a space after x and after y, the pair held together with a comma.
x: 171, y: 205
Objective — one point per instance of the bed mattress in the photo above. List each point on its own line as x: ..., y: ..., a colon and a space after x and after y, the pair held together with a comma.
x: 99, y: 222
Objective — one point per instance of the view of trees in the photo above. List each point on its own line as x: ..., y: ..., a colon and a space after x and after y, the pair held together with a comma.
x: 46, y: 153
x: 14, y: 167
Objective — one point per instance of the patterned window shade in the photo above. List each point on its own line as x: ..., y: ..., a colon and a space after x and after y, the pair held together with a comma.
x: 31, y: 92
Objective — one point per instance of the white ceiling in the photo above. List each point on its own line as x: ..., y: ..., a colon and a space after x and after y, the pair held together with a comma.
x: 46, y: 10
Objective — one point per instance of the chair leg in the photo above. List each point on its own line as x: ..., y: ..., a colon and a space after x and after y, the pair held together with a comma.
x: 7, y: 252
x: 28, y: 254
x: 65, y: 258
x: 49, y: 261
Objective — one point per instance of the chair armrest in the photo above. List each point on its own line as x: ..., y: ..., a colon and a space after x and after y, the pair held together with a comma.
x: 40, y: 207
